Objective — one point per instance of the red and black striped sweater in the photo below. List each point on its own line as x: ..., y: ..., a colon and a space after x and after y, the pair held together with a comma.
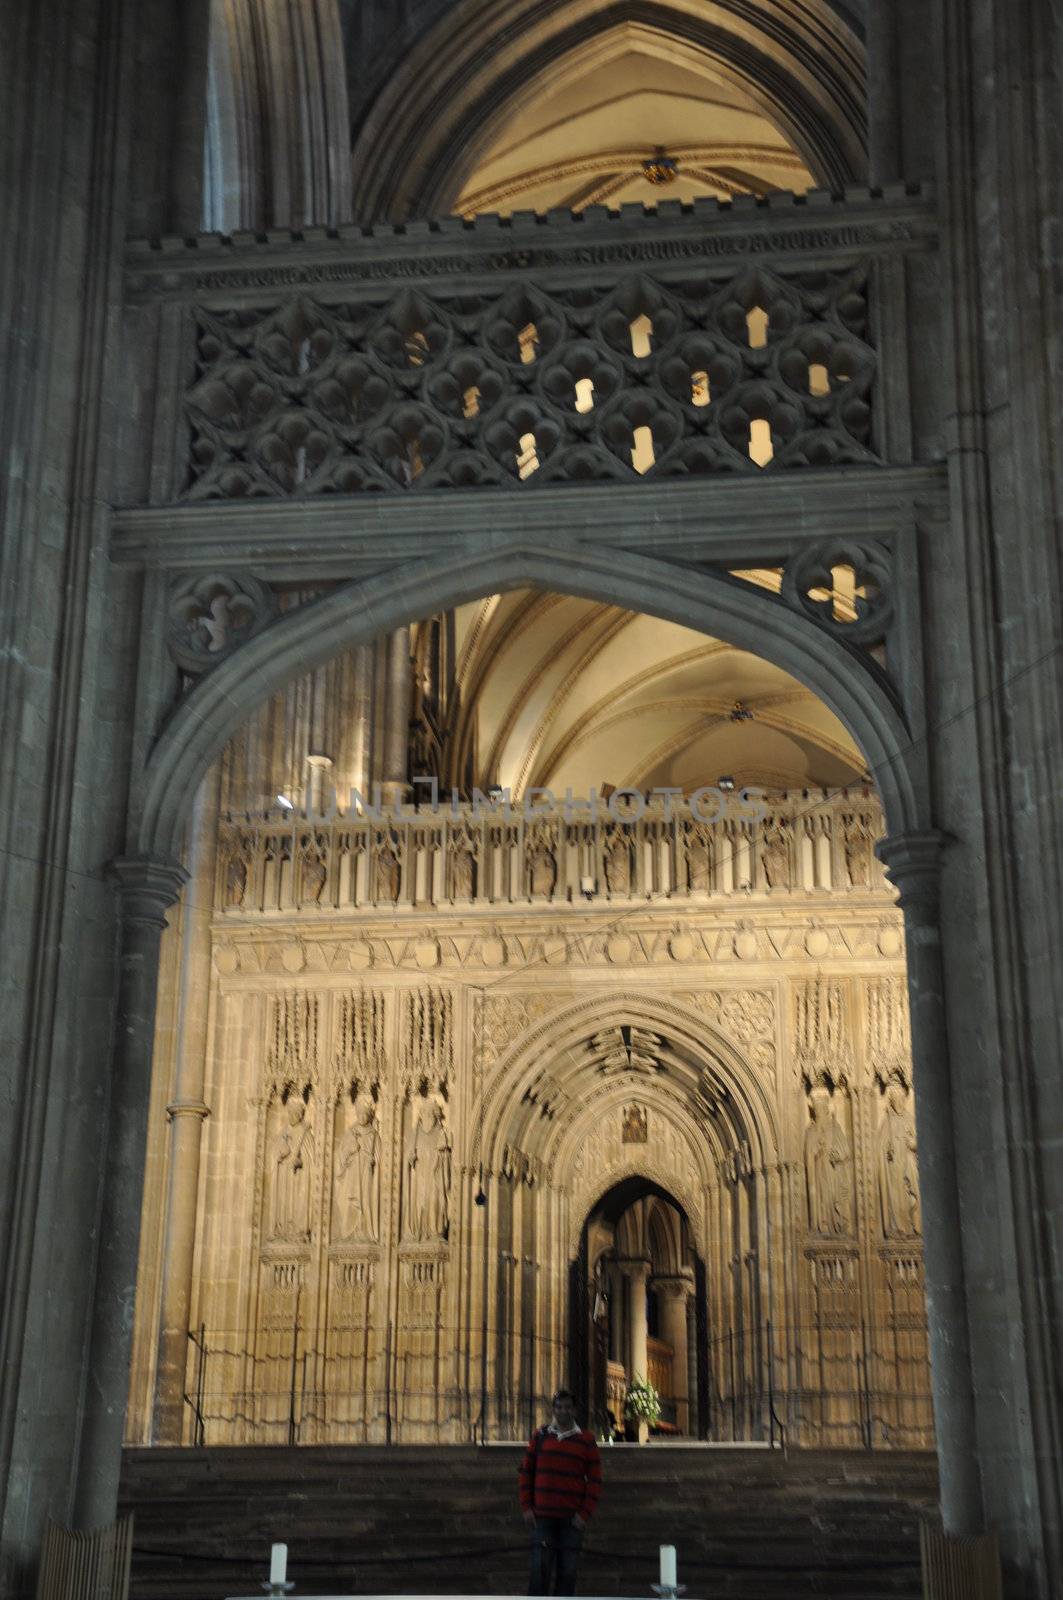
x: 561, y: 1477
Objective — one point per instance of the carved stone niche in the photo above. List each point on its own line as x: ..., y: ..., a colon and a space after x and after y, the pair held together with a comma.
x: 212, y: 614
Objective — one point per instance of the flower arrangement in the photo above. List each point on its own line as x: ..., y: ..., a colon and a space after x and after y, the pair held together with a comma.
x: 642, y: 1403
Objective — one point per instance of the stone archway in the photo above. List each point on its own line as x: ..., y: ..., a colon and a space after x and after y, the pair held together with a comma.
x: 710, y: 602
x: 634, y: 1284
x: 730, y: 608
x: 560, y: 1129
x: 475, y: 68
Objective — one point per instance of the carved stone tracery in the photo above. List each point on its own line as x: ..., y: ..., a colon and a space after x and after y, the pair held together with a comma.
x: 425, y: 389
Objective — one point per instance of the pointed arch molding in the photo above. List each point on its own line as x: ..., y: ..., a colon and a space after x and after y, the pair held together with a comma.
x: 737, y: 613
x: 511, y: 1117
x: 451, y: 94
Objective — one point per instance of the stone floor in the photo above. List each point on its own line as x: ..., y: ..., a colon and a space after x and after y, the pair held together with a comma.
x: 747, y: 1524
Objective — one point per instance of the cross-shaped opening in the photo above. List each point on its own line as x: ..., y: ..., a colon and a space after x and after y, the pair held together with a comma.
x: 641, y: 336
x: 416, y: 346
x: 527, y: 456
x: 761, y: 446
x: 642, y: 456
x: 757, y: 327
x: 846, y: 588
x: 528, y: 340
x: 584, y: 394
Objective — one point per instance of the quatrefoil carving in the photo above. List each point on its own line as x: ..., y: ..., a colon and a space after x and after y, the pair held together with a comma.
x: 846, y: 585
x: 213, y: 614
x: 514, y: 386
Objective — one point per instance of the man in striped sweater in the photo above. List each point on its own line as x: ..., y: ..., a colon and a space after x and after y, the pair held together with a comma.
x: 560, y: 1481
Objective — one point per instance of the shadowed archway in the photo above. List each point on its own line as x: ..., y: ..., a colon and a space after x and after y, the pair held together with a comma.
x: 710, y: 602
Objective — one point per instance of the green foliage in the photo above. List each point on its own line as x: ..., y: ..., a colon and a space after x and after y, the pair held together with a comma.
x: 642, y: 1403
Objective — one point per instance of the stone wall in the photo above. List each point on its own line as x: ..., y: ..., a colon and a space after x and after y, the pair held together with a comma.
x: 379, y: 1048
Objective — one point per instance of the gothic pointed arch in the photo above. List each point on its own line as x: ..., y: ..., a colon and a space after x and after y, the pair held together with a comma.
x: 306, y: 637
x: 803, y: 67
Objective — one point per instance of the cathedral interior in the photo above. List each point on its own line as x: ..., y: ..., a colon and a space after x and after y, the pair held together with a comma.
x: 530, y: 609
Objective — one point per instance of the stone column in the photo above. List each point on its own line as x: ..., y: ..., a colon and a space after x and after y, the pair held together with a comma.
x: 637, y: 1274
x: 187, y: 1112
x: 397, y: 731
x: 673, y: 1295
x: 884, y: 144
x: 147, y: 889
x: 912, y: 863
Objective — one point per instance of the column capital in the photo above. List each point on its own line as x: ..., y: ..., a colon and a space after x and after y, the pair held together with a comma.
x: 188, y: 1108
x: 635, y: 1267
x: 147, y: 888
x: 675, y: 1286
x: 913, y: 866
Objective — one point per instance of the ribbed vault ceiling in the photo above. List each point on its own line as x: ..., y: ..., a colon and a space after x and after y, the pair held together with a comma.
x: 562, y: 692
x: 587, y: 140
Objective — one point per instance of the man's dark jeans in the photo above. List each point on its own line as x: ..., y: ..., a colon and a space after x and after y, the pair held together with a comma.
x: 554, y: 1553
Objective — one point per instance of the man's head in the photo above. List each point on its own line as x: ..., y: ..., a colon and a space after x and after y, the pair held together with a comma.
x: 564, y: 1404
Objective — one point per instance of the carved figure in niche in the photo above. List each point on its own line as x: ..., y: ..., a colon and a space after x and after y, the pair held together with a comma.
x: 387, y: 874
x: 356, y: 1186
x: 857, y: 851
x: 462, y: 872
x: 618, y: 867
x: 898, y: 1172
x: 427, y: 1167
x: 826, y: 1167
x: 698, y: 858
x: 600, y: 1308
x: 292, y: 1159
x: 543, y: 873
x: 315, y: 875
x: 633, y: 1128
x: 775, y: 857
x: 235, y: 881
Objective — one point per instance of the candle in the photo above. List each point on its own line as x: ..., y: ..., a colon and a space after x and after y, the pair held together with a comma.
x: 668, y: 1569
x: 278, y: 1563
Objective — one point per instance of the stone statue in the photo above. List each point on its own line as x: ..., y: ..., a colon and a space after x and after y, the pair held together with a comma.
x: 618, y: 867
x: 461, y: 873
x: 857, y: 857
x: 600, y: 1306
x: 898, y: 1173
x: 315, y: 875
x: 826, y: 1167
x: 356, y: 1184
x: 292, y: 1162
x: 388, y: 874
x: 697, y: 852
x: 543, y: 873
x: 235, y: 881
x: 775, y: 858
x: 427, y: 1168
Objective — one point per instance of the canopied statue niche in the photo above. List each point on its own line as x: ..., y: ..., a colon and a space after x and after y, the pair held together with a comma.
x: 291, y: 1166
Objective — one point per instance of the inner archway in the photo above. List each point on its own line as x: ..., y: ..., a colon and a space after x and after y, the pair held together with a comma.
x: 430, y: 1043
x: 644, y: 1302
